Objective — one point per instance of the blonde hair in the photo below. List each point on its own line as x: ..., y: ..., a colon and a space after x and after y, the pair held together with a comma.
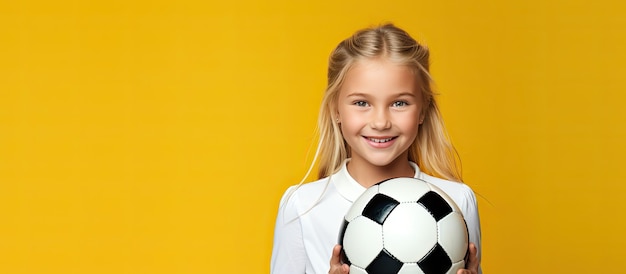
x: 431, y: 149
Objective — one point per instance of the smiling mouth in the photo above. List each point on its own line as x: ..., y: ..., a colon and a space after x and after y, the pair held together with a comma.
x: 376, y: 140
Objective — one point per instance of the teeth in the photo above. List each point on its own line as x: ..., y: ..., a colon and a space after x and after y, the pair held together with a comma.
x: 380, y: 140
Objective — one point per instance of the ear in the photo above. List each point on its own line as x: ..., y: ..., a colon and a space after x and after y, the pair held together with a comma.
x: 424, y: 111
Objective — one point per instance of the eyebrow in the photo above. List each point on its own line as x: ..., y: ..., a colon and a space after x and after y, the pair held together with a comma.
x: 359, y: 94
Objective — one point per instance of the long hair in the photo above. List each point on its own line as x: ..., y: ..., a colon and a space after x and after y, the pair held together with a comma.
x: 431, y: 149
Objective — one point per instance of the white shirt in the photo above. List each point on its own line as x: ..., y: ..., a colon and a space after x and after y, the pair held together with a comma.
x: 306, y: 231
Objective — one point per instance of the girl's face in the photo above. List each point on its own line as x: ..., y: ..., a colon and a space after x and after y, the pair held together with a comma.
x: 379, y: 110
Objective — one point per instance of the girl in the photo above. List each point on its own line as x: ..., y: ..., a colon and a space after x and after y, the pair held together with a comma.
x: 378, y: 120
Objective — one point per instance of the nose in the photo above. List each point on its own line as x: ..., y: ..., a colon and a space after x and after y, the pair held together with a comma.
x: 380, y: 119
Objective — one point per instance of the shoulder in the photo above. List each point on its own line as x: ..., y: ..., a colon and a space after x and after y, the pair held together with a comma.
x: 453, y: 186
x: 303, y: 191
x: 462, y: 194
x: 298, y: 196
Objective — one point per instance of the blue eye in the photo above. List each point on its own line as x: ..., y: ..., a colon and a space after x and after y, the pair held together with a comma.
x: 360, y: 103
x: 400, y: 104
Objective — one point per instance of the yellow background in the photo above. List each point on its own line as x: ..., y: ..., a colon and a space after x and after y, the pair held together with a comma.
x: 158, y: 136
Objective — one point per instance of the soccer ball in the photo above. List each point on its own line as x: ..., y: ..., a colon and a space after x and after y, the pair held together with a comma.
x: 404, y: 225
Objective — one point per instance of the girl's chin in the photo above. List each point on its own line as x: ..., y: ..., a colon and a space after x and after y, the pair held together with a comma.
x: 380, y: 162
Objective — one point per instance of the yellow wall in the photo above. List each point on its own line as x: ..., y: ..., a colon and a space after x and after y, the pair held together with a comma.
x: 158, y: 136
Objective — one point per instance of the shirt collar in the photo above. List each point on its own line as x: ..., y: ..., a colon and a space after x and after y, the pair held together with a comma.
x: 349, y: 188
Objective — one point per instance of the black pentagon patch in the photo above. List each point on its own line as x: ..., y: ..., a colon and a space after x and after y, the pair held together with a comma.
x: 379, y: 208
x: 384, y: 263
x: 436, y: 261
x: 436, y: 205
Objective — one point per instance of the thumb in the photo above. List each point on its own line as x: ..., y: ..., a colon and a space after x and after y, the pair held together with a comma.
x: 473, y: 262
x: 336, y: 258
x: 471, y: 266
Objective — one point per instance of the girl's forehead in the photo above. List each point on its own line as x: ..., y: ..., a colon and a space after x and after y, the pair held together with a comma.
x: 383, y: 62
x: 379, y: 78
x: 379, y: 70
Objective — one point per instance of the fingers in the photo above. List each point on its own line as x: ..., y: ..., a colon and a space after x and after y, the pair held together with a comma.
x: 473, y: 262
x: 336, y: 266
x: 471, y: 266
x: 336, y: 258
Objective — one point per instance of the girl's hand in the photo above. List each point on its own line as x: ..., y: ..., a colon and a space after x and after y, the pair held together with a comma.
x: 336, y: 267
x: 471, y: 266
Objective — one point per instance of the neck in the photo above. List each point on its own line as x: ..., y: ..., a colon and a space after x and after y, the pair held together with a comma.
x: 368, y: 175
